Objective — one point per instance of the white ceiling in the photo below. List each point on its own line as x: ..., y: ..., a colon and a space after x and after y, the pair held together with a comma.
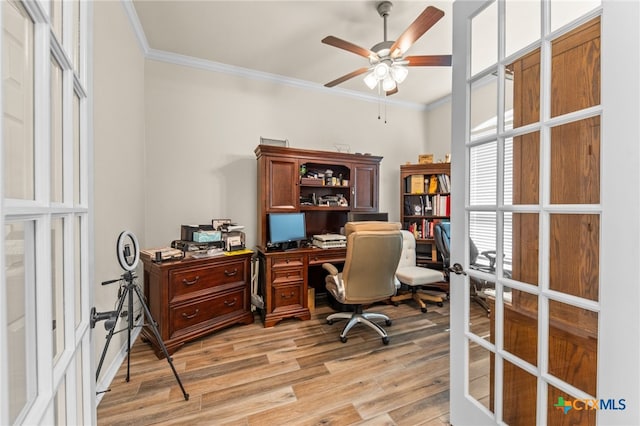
x: 283, y: 38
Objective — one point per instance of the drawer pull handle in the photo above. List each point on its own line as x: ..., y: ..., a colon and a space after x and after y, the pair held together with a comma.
x: 284, y: 296
x: 233, y: 302
x: 187, y: 282
x: 193, y: 315
x: 232, y: 273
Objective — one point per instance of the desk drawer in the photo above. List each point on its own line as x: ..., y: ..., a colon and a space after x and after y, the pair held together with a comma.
x: 287, y: 296
x: 185, y: 281
x: 333, y: 256
x: 190, y: 315
x: 286, y: 275
x: 287, y: 261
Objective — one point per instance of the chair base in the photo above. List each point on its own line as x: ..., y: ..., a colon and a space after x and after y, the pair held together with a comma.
x: 361, y: 317
x: 420, y: 298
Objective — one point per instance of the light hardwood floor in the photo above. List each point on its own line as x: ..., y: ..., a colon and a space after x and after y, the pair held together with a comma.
x: 297, y: 372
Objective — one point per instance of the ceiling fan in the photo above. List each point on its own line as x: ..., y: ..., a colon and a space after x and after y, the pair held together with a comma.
x: 387, y: 63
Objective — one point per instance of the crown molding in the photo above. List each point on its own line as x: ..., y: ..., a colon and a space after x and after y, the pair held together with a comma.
x: 207, y: 65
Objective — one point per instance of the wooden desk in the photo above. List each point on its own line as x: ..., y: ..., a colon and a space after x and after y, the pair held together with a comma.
x: 194, y: 297
x: 284, y: 280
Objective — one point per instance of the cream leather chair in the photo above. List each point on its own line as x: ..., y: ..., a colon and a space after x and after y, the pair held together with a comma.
x: 415, y: 276
x: 373, y: 252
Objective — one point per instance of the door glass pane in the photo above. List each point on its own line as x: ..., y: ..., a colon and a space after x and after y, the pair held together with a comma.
x: 522, y: 24
x: 60, y: 404
x: 576, y: 87
x: 523, y: 247
x: 480, y: 375
x: 57, y: 281
x: 76, y: 149
x: 484, y: 39
x: 574, y: 260
x: 518, y: 393
x: 484, y: 107
x: 560, y: 409
x: 508, y: 172
x: 483, y: 171
x: 524, y: 175
x: 521, y: 324
x: 80, y: 396
x: 56, y: 18
x: 17, y: 106
x: 563, y: 11
x: 19, y: 241
x: 522, y: 94
x: 507, y: 245
x: 75, y: 30
x: 575, y: 162
x: 77, y: 265
x: 482, y: 245
x: 56, y: 131
x: 573, y: 345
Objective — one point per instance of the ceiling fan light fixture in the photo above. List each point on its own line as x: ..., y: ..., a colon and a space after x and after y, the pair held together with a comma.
x: 381, y: 71
x: 388, y: 84
x: 370, y: 80
x: 399, y: 73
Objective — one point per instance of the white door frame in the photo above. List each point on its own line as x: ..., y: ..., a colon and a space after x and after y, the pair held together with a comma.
x: 61, y: 389
x: 619, y: 321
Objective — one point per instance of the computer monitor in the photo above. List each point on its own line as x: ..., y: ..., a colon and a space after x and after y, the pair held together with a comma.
x: 286, y: 228
x: 367, y: 216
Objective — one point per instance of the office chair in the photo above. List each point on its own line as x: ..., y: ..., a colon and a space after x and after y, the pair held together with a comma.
x: 442, y: 236
x: 415, y: 277
x: 373, y: 253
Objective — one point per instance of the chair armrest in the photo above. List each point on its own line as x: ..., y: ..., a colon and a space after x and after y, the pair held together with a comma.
x: 491, y: 255
x: 330, y: 268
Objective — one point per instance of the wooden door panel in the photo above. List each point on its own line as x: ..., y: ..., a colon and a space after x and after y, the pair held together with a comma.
x: 283, y: 188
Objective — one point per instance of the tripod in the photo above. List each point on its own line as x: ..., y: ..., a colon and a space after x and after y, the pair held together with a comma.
x: 129, y: 289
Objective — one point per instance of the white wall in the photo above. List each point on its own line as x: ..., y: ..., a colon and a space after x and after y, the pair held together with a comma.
x: 119, y: 160
x: 202, y: 128
x: 438, y: 123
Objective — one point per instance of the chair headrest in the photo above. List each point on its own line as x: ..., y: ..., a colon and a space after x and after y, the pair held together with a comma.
x: 371, y: 225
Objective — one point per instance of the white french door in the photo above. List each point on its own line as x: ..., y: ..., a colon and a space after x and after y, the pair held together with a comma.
x: 45, y: 348
x: 546, y: 98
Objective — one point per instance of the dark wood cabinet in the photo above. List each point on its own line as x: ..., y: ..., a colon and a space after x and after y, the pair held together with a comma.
x: 295, y: 180
x: 281, y: 174
x: 283, y: 280
x: 365, y: 187
x: 281, y: 187
x: 191, y: 298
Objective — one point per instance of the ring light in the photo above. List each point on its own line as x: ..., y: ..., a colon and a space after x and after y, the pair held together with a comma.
x: 123, y: 249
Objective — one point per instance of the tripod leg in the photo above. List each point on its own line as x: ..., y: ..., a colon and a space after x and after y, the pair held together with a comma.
x: 129, y: 328
x: 156, y: 333
x: 110, y: 335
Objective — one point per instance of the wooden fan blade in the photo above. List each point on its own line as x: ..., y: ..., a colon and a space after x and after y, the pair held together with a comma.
x: 392, y: 92
x: 429, y: 61
x: 426, y: 20
x: 350, y: 47
x: 346, y: 77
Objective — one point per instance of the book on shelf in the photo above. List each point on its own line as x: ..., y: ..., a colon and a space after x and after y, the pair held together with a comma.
x: 416, y: 184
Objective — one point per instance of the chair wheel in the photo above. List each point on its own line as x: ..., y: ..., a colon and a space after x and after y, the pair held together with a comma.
x: 330, y: 322
x: 440, y: 304
x: 385, y: 340
x: 343, y: 339
x: 388, y: 322
x: 424, y: 310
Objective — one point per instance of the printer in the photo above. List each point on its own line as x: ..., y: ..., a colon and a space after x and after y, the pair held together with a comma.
x: 326, y: 241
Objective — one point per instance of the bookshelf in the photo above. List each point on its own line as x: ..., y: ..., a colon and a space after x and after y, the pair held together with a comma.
x: 425, y: 199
